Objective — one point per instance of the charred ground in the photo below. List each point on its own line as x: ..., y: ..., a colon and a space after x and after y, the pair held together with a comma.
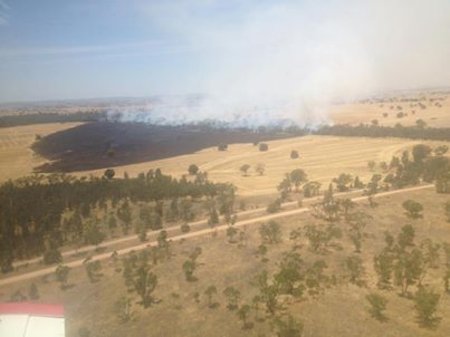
x: 107, y: 144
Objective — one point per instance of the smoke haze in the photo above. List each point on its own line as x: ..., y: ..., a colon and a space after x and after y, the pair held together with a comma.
x: 271, y: 62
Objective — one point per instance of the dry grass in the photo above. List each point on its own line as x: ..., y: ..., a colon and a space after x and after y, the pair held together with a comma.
x: 322, y: 158
x: 357, y: 113
x: 16, y: 157
x: 340, y: 312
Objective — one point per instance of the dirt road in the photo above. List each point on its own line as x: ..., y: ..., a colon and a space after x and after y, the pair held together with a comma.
x: 103, y: 256
x: 170, y: 229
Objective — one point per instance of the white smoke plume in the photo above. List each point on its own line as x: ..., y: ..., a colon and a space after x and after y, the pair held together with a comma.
x: 272, y: 62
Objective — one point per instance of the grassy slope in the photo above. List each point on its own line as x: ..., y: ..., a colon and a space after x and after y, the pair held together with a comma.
x: 341, y: 311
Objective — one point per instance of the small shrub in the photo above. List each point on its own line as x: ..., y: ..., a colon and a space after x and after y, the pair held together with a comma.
x: 263, y: 147
x: 185, y: 228
x: 222, y: 147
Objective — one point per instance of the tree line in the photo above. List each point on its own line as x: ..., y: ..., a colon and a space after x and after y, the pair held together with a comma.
x: 376, y: 131
x: 32, y: 208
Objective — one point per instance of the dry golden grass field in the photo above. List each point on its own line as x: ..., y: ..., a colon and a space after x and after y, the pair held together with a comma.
x: 435, y: 111
x: 16, y: 157
x: 340, y: 311
x: 321, y: 157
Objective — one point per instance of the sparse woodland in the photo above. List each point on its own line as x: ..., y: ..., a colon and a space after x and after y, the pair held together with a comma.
x: 39, y: 214
x: 337, y: 247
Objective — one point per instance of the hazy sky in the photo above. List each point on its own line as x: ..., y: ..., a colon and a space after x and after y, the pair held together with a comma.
x: 246, y: 50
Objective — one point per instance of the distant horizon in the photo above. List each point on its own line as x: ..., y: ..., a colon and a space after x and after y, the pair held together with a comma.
x: 106, y: 98
x: 237, y: 51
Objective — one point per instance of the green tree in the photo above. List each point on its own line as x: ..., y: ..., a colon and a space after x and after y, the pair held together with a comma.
x: 285, y: 187
x: 186, y: 210
x: 260, y: 168
x: 62, y: 276
x: 142, y: 235
x: 33, y: 292
x: 430, y: 252
x: 243, y: 314
x: 329, y: 207
x: 377, y: 306
x: 193, y: 169
x: 189, y: 267
x: 124, y: 215
x: 93, y: 234
x: 112, y: 222
x: 384, y: 266
x: 233, y: 295
x: 268, y: 292
x: 231, y: 234
x: 357, y: 183
x: 298, y: 177
x: 93, y: 270
x: 421, y: 124
x: 294, y: 154
x: 145, y: 215
x: 271, y: 232
x: 109, y: 174
x: 145, y: 283
x: 174, y: 210
x: 288, y: 328
x: 213, y: 217
x: 355, y: 269
x: 163, y: 243
x: 244, y: 169
x: 210, y: 292
x: 408, y: 269
x: 288, y: 278
x: 319, y: 240
x: 420, y: 152
x: 406, y: 237
x: 343, y: 182
x: 426, y: 302
x: 413, y: 209
x: 315, y: 279
x: 274, y: 206
x: 347, y: 204
x: 311, y: 189
x: 52, y: 255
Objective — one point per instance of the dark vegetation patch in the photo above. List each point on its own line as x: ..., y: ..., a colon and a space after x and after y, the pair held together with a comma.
x: 32, y: 219
x: 107, y: 144
x: 399, y: 131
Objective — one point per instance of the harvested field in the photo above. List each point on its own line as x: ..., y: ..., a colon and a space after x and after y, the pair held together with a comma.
x: 322, y: 158
x: 16, y: 157
x: 434, y: 110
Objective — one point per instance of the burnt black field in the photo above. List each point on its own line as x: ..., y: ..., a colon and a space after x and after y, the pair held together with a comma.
x: 100, y: 145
